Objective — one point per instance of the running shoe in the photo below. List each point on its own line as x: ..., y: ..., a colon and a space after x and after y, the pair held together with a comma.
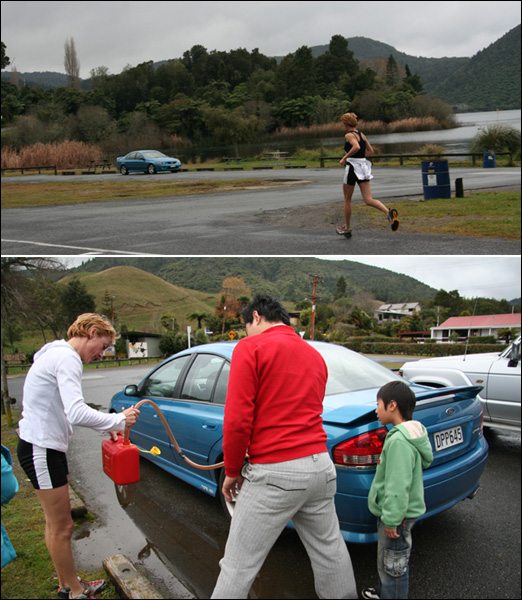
x: 393, y: 219
x: 370, y: 593
x: 341, y: 230
x: 95, y: 587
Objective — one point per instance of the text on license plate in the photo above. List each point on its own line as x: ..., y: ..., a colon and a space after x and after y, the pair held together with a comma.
x: 448, y: 437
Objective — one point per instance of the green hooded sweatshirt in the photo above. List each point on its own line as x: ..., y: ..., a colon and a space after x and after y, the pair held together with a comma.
x: 397, y: 491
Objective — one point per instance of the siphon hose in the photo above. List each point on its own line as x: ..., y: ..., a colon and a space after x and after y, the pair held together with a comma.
x: 171, y: 437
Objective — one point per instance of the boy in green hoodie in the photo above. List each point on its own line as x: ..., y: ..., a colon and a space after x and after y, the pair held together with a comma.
x: 397, y: 493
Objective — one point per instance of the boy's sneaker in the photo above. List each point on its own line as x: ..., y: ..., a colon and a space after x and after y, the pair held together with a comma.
x: 95, y: 587
x: 370, y: 593
x: 392, y: 218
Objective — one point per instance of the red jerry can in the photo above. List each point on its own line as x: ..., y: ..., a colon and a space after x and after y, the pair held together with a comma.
x: 121, y: 461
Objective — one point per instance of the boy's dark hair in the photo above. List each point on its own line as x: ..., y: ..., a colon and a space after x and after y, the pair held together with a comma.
x: 402, y: 394
x: 268, y: 307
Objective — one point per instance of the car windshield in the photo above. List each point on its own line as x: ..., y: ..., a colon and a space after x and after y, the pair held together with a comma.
x: 154, y: 154
x: 349, y: 371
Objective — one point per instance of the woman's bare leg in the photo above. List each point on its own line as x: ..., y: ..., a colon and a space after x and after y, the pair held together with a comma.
x: 59, y: 528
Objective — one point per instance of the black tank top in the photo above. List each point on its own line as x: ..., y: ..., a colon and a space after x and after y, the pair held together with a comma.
x: 361, y: 153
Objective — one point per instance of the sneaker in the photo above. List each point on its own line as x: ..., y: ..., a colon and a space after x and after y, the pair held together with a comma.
x: 341, y: 230
x: 370, y: 593
x: 393, y: 219
x: 86, y: 594
x: 94, y: 587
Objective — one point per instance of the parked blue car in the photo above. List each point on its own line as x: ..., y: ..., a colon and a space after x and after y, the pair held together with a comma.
x: 190, y: 389
x: 147, y: 161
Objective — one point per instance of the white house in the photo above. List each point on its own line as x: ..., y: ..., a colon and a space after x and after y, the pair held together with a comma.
x: 475, y: 326
x: 395, y: 312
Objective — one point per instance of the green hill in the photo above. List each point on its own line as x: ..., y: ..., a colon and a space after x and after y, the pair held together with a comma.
x: 140, y: 297
x: 286, y: 278
x: 490, y: 80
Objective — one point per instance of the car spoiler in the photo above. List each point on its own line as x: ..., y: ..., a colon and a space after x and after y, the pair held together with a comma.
x: 361, y: 414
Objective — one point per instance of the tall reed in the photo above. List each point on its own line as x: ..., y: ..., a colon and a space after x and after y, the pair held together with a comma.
x: 65, y: 155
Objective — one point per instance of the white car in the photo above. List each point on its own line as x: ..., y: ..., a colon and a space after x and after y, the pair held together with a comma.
x: 499, y: 374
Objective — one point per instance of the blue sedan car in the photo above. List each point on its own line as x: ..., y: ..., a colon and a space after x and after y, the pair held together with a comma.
x: 190, y: 389
x: 147, y: 161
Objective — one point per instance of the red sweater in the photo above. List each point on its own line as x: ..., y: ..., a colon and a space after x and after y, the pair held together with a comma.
x: 274, y: 400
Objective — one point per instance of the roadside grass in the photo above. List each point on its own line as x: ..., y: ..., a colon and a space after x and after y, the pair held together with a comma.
x: 23, y: 195
x: 31, y: 574
x: 479, y: 215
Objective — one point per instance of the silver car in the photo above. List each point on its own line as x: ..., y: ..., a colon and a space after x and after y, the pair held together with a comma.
x: 498, y: 374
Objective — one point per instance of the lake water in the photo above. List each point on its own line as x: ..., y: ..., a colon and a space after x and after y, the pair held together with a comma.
x: 453, y: 140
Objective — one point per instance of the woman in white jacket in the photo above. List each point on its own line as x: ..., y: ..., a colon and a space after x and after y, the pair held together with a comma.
x: 53, y: 402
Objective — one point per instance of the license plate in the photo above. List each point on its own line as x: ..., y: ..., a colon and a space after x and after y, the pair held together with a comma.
x: 448, y: 437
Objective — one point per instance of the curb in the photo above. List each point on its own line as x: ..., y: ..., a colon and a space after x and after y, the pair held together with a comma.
x: 128, y: 581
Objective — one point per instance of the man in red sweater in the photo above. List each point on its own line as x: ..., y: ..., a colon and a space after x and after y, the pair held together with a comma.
x: 273, y: 415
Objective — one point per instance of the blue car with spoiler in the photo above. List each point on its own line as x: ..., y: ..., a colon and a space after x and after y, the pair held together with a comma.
x: 190, y: 389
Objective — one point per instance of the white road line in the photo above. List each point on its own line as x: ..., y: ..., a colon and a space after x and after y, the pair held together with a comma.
x: 86, y: 249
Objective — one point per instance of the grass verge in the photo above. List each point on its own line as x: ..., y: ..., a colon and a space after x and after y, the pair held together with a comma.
x: 24, y: 195
x: 31, y: 574
x: 480, y: 215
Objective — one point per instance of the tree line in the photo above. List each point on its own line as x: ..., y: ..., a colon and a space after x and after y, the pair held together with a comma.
x: 225, y: 97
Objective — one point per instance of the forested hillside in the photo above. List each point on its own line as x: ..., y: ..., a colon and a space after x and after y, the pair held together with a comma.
x: 490, y: 80
x: 287, y: 278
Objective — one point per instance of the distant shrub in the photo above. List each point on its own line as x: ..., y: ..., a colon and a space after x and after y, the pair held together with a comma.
x: 502, y: 138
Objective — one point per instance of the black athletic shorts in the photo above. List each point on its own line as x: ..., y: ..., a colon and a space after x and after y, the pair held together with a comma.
x: 47, y: 469
x: 350, y: 178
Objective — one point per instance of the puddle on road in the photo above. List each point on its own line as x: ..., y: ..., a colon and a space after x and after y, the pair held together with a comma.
x: 171, y: 528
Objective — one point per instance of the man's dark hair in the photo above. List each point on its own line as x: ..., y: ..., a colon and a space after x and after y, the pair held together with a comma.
x: 268, y: 307
x: 402, y: 394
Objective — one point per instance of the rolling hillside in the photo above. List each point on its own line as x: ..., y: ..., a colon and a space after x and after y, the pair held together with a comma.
x: 286, y: 278
x: 141, y: 297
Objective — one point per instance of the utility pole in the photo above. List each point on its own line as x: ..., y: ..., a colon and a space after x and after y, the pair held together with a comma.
x: 315, y: 280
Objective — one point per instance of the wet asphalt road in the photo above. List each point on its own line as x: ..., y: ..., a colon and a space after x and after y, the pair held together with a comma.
x: 177, y: 532
x: 230, y: 223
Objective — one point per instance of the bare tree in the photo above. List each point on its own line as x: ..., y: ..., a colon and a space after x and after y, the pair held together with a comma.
x: 71, y: 64
x: 14, y: 292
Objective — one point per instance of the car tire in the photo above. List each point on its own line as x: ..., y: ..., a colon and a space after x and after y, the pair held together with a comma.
x: 124, y: 170
x: 151, y: 170
x: 228, y: 507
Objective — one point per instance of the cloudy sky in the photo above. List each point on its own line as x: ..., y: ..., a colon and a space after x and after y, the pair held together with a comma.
x: 473, y: 276
x: 116, y: 34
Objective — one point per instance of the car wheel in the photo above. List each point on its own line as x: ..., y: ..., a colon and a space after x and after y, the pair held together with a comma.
x: 151, y: 169
x: 228, y: 507
x: 124, y: 170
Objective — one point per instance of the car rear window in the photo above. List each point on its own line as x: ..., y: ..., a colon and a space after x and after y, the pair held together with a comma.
x: 349, y: 371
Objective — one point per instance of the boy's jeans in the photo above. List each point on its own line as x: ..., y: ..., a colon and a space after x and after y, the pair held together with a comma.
x: 393, y: 557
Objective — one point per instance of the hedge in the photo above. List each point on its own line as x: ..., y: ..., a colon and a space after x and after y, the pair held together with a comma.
x: 420, y: 349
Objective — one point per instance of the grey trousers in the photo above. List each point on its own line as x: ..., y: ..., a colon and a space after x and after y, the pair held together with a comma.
x: 301, y: 491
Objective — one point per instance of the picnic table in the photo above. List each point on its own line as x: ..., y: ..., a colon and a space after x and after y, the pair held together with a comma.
x: 277, y: 157
x: 104, y: 164
x: 229, y: 159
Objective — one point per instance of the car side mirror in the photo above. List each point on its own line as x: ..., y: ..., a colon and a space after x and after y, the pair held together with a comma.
x: 131, y: 390
x: 513, y: 362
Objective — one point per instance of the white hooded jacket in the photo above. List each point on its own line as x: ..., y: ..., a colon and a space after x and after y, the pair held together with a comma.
x: 53, y: 399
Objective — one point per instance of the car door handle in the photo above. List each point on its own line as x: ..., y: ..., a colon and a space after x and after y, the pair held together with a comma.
x: 210, y: 426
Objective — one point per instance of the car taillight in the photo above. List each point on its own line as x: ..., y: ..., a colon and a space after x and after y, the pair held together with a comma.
x: 362, y: 451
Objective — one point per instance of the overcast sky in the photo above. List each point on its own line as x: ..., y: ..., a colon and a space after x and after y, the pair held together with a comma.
x: 473, y: 276
x: 116, y: 34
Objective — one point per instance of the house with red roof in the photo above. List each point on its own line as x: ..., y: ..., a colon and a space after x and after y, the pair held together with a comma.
x: 475, y: 326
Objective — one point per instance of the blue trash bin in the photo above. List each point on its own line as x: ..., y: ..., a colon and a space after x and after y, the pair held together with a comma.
x: 490, y: 160
x: 435, y: 179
